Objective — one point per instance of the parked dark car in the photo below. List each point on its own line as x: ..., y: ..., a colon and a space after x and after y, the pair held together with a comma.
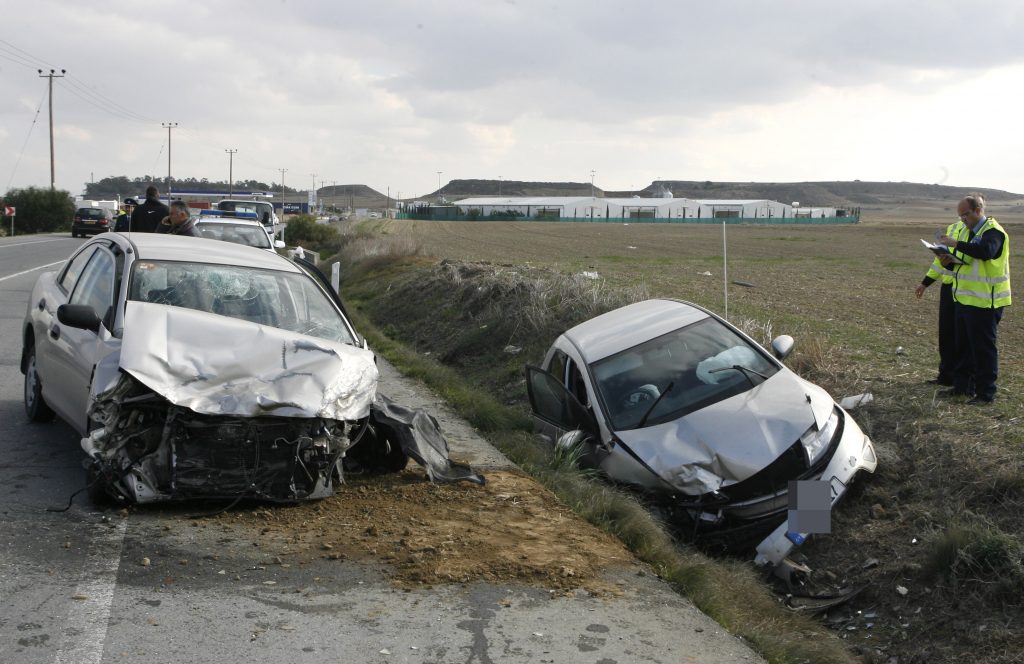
x: 91, y: 220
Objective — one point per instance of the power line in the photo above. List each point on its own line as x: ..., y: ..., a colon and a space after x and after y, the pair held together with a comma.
x: 25, y: 144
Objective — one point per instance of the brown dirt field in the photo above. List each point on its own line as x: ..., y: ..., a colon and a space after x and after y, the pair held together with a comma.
x: 510, y: 530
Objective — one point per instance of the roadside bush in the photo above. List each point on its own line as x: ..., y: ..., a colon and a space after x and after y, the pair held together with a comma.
x: 978, y: 551
x: 303, y: 231
x: 39, y: 210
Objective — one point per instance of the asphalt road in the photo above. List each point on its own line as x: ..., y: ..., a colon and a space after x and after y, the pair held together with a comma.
x: 73, y: 588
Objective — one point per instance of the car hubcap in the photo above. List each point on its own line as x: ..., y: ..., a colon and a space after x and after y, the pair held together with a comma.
x: 31, y: 380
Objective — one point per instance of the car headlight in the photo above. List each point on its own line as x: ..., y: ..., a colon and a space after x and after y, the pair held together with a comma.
x: 816, y: 441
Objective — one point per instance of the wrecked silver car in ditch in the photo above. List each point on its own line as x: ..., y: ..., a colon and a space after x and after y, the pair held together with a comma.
x: 667, y: 397
x: 202, y: 369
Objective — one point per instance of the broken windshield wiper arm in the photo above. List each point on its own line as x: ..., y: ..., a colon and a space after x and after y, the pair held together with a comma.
x: 746, y: 371
x: 643, y: 420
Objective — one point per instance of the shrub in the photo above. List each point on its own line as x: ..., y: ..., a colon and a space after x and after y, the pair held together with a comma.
x: 40, y: 210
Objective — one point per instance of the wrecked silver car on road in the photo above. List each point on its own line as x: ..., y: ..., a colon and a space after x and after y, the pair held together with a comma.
x: 202, y: 369
x: 667, y: 397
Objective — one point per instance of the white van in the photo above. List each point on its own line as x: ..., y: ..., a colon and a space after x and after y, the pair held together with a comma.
x: 264, y: 212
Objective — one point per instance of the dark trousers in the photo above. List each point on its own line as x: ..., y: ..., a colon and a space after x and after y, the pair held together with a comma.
x: 977, y: 358
x: 947, y: 334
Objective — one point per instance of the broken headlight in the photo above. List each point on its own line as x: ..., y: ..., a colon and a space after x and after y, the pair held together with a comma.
x: 816, y: 441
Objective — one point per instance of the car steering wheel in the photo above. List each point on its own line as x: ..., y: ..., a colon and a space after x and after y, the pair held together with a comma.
x: 640, y: 395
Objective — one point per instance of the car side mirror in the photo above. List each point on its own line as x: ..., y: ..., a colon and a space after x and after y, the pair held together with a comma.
x: 80, y: 316
x: 278, y: 244
x: 782, y: 346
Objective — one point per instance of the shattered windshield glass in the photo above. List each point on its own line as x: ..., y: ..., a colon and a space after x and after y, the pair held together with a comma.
x: 697, y: 360
x: 285, y: 300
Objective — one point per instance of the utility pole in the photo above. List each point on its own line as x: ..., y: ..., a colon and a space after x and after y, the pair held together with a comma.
x: 283, y: 171
x: 169, y: 126
x: 231, y: 174
x: 312, y: 203
x: 499, y: 185
x: 334, y: 194
x: 52, y: 75
x: 592, y: 173
x: 439, y: 186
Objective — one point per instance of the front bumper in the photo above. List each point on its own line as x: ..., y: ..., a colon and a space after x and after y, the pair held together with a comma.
x: 854, y: 454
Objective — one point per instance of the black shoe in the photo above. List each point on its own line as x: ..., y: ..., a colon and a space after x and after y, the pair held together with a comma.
x: 940, y: 381
x: 981, y: 401
x: 953, y: 392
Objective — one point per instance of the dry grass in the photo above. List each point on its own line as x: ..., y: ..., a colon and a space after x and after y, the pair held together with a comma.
x: 858, y: 329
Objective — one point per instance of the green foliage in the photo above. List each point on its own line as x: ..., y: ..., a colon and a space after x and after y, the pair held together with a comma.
x: 40, y: 210
x: 303, y: 230
x: 121, y: 185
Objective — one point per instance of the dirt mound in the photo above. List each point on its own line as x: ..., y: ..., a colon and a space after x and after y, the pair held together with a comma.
x: 512, y: 529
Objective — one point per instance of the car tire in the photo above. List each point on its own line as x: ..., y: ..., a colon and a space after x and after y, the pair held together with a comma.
x: 35, y: 406
x: 74, y: 234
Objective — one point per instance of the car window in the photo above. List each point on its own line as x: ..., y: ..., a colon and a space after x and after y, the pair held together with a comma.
x: 74, y: 268
x: 248, y: 235
x: 285, y: 300
x: 95, y: 288
x: 697, y: 360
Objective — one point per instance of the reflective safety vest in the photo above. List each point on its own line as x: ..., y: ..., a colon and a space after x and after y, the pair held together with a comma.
x: 984, y: 284
x: 958, y: 231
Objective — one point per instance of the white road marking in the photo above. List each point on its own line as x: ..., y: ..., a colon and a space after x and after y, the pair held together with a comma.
x: 4, y: 245
x: 31, y: 269
x: 85, y: 630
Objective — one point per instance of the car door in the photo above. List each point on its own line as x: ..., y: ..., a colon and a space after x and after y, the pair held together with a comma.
x: 556, y: 410
x: 74, y: 351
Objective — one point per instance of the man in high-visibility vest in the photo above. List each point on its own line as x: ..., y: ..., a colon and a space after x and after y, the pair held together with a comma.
x: 981, y: 290
x: 941, y: 269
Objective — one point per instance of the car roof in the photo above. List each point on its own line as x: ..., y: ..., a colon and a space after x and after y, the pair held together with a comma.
x: 155, y: 246
x: 633, y: 324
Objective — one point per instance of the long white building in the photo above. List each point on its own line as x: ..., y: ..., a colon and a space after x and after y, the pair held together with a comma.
x: 586, y: 207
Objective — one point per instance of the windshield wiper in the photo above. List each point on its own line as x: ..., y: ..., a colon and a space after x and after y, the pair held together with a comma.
x: 746, y: 371
x: 643, y: 420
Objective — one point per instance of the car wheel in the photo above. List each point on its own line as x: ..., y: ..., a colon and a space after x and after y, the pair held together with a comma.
x: 35, y: 406
x: 74, y: 234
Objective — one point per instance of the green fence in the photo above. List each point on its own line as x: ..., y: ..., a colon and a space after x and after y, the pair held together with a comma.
x: 447, y: 216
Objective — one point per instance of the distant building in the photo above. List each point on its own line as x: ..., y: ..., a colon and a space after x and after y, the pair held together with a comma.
x: 586, y: 207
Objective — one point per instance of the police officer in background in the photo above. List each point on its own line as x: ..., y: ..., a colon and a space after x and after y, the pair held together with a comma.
x: 148, y: 216
x: 122, y: 225
x: 941, y: 269
x: 981, y: 290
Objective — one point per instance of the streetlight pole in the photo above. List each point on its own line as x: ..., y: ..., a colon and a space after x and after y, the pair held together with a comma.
x: 52, y: 75
x: 312, y: 203
x: 592, y: 173
x: 499, y: 185
x: 231, y: 174
x: 283, y: 171
x: 439, y: 186
x: 169, y: 126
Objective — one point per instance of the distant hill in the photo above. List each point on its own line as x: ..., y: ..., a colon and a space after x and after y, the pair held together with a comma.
x: 845, y: 194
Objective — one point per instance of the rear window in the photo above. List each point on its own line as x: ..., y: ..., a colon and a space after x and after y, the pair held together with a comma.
x: 91, y: 213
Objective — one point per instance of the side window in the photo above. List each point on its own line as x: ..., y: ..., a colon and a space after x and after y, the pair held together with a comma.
x: 574, y: 381
x: 74, y: 269
x: 95, y: 288
x: 557, y: 365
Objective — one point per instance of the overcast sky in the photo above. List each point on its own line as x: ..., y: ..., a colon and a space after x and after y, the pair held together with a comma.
x: 387, y: 93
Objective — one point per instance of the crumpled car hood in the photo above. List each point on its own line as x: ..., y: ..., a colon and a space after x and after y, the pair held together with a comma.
x: 222, y: 366
x: 732, y: 440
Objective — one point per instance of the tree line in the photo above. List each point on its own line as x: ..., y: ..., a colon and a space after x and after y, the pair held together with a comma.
x: 121, y: 186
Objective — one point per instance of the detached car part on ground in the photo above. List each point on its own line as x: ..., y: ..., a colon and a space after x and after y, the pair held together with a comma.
x: 667, y: 397
x: 201, y: 369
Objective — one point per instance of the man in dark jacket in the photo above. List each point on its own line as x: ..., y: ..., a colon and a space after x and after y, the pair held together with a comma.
x: 179, y: 221
x: 147, y: 216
